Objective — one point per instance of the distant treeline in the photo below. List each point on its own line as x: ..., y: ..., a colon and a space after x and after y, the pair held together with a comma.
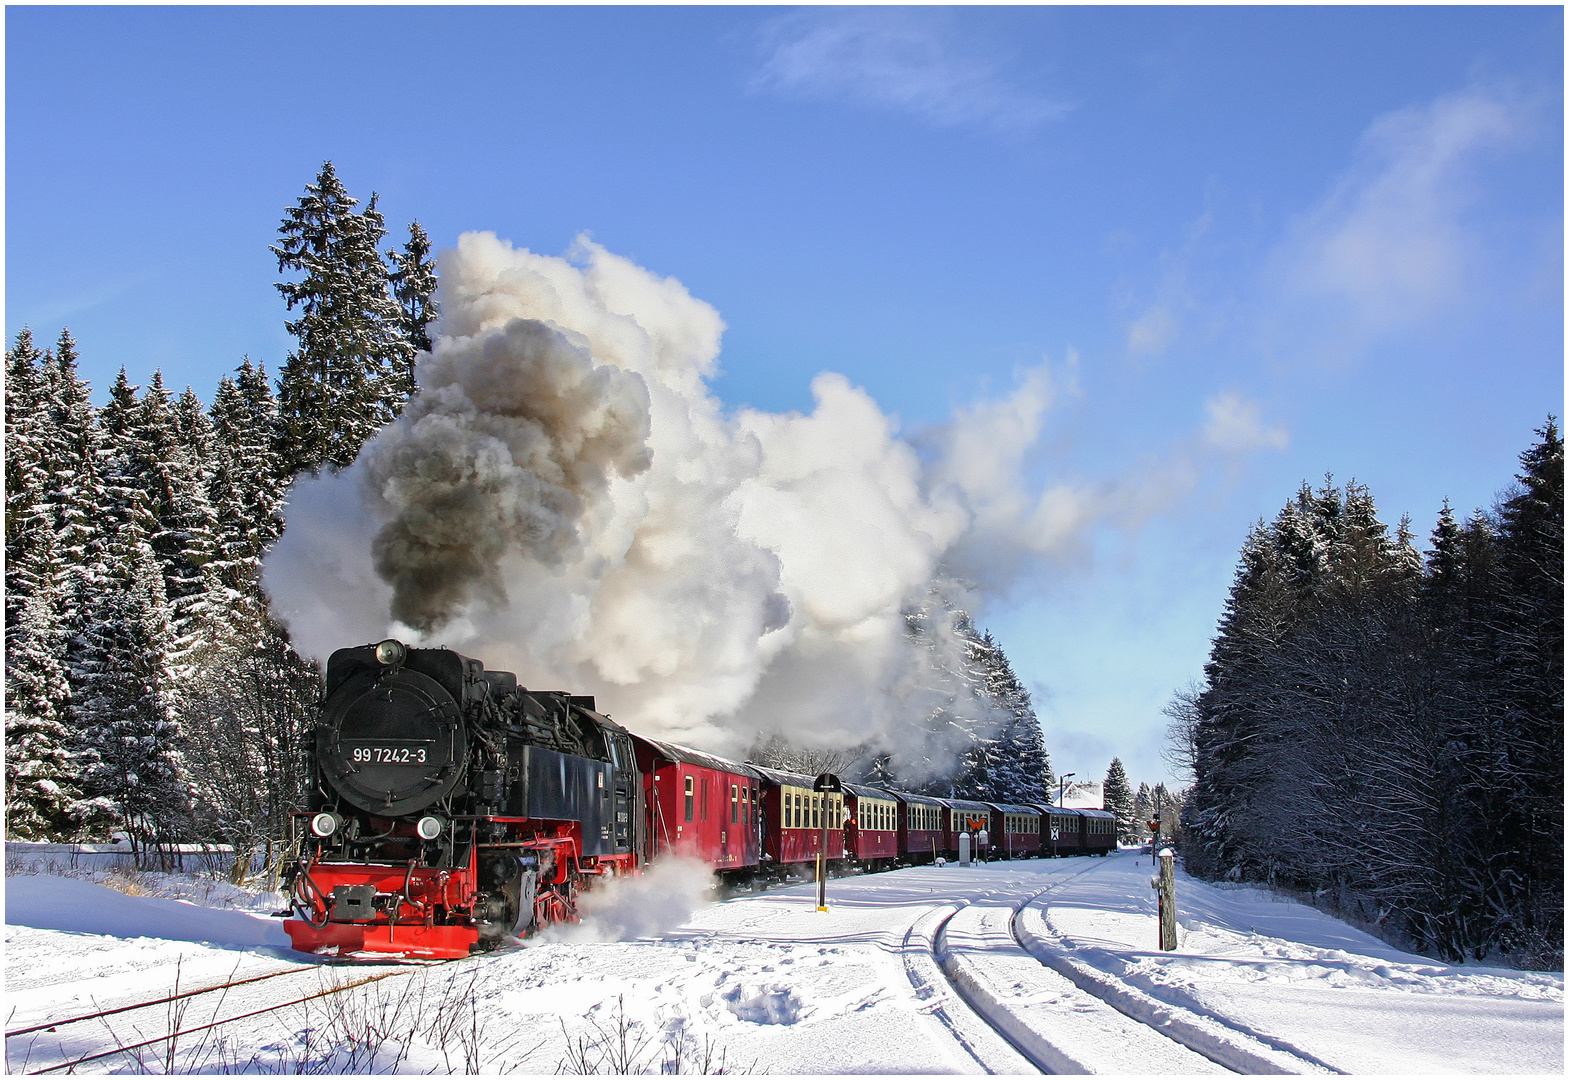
x: 1384, y: 728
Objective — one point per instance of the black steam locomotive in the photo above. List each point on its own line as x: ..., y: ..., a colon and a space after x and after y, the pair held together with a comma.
x: 449, y: 806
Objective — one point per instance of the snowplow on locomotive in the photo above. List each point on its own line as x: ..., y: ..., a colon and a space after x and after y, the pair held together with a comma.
x: 450, y: 808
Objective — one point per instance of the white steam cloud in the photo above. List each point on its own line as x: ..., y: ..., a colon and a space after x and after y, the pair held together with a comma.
x: 625, y: 908
x: 564, y: 498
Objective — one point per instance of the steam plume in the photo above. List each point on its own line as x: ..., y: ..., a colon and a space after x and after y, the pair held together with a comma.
x: 512, y: 432
x: 564, y: 498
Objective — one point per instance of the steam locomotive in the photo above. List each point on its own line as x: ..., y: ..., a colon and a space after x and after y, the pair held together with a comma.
x: 450, y: 808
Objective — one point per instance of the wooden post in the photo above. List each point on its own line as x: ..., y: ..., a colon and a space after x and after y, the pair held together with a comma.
x: 1168, y: 899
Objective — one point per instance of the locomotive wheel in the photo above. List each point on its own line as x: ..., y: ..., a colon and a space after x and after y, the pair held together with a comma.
x: 556, y: 904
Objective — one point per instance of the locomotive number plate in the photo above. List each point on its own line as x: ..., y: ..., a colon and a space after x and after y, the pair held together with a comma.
x: 372, y: 754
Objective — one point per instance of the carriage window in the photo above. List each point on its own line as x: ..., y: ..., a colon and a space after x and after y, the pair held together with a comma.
x: 705, y: 798
x: 689, y: 798
x: 735, y: 804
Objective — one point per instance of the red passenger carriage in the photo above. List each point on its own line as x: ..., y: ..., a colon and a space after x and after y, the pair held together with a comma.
x: 1061, y: 832
x: 699, y: 805
x: 965, y: 816
x: 1018, y: 833
x: 793, y: 819
x: 920, y: 826
x: 872, y: 828
x: 1099, y: 831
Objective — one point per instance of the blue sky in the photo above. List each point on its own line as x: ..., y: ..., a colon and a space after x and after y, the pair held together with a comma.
x: 1250, y: 245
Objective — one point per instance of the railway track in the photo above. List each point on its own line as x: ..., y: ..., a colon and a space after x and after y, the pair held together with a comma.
x: 1077, y: 1019
x: 1227, y: 1044
x: 174, y: 1005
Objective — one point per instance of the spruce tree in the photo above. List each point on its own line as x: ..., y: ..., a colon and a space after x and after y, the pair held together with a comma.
x: 1143, y: 812
x: 246, y: 493
x: 1118, y: 798
x: 28, y: 526
x: 351, y: 371
x: 76, y: 494
x: 414, y: 284
x: 42, y: 780
x: 1528, y: 623
x: 123, y: 703
x: 147, y: 457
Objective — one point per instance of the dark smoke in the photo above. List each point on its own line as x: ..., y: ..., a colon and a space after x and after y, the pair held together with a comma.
x: 511, y: 432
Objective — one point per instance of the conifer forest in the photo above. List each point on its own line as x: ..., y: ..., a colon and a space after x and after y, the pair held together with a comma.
x: 149, y: 691
x: 1382, y: 727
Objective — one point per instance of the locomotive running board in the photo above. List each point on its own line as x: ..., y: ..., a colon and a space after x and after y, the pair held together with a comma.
x: 344, y: 939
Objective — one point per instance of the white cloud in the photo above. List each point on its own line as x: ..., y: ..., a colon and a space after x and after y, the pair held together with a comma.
x: 898, y: 58
x: 1236, y: 424
x: 1388, y: 246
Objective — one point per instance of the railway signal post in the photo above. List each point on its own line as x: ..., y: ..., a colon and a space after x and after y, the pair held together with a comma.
x: 826, y: 784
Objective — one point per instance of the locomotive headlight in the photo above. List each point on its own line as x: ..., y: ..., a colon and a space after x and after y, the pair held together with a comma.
x: 390, y: 652
x: 325, y: 824
x: 428, y: 827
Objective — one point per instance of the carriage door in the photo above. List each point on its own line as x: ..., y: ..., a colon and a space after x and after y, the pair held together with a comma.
x: 623, y: 794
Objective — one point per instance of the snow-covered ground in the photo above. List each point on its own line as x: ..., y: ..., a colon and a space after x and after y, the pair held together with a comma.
x: 1006, y: 968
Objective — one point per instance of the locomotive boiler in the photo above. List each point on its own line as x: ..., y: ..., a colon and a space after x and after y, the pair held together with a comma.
x: 450, y: 807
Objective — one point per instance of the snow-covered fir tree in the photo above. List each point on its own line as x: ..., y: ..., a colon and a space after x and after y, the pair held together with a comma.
x: 42, y: 777
x: 1117, y: 797
x: 245, y: 490
x: 76, y: 491
x: 146, y: 454
x: 29, y: 526
x: 1011, y: 766
x: 1143, y: 811
x: 414, y: 284
x: 124, y: 703
x: 41, y: 789
x: 976, y: 735
x: 352, y: 369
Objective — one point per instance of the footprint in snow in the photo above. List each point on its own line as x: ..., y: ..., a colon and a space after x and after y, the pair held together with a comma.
x: 764, y: 1003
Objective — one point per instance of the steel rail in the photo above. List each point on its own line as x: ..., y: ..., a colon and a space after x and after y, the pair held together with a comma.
x: 216, y: 1023
x: 156, y: 1001
x: 978, y: 1007
x: 1178, y: 1029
